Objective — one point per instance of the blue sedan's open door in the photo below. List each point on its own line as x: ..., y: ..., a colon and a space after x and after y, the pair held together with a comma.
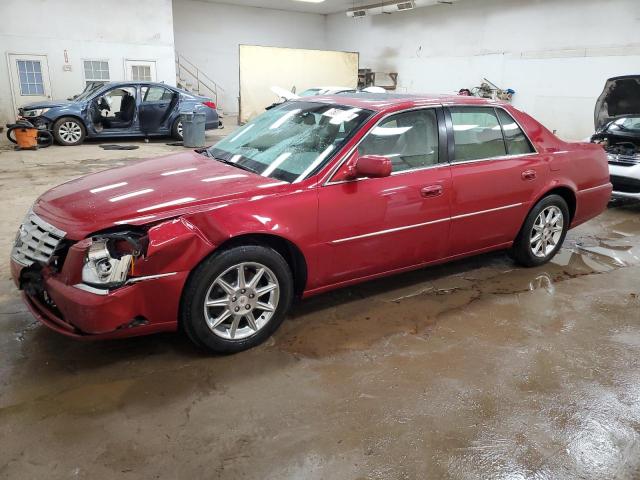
x: 156, y: 106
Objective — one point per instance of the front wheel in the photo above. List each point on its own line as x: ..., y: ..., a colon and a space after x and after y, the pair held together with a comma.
x: 69, y: 131
x: 543, y: 232
x: 237, y: 298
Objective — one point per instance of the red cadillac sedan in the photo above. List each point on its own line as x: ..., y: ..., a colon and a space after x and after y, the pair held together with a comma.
x: 310, y: 196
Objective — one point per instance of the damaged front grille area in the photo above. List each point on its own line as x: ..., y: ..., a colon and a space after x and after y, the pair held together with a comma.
x: 624, y: 154
x: 36, y: 241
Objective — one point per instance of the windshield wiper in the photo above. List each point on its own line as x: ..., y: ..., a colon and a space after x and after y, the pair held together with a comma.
x: 234, y: 164
x: 207, y: 153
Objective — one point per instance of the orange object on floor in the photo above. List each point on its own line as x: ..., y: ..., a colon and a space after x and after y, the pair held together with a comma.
x: 26, y: 137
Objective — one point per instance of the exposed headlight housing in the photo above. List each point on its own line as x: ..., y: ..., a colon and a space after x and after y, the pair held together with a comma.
x: 36, y: 112
x: 110, y: 259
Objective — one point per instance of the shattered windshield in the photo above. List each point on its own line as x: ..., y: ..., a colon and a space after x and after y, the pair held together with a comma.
x: 291, y: 141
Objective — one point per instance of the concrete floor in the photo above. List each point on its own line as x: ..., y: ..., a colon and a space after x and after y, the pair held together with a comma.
x: 473, y: 370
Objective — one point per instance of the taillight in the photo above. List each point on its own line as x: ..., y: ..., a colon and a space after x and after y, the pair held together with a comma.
x: 210, y: 104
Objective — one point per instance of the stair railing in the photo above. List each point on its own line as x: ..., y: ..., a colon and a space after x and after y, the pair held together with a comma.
x: 202, y: 80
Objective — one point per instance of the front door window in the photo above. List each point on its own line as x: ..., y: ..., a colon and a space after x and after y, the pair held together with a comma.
x: 409, y: 140
x: 117, y: 108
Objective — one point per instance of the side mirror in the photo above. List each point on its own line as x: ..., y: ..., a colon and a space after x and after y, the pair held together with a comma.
x: 372, y: 166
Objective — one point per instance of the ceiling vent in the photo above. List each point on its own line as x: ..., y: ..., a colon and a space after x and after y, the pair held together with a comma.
x: 356, y: 13
x: 394, y: 6
x: 405, y: 6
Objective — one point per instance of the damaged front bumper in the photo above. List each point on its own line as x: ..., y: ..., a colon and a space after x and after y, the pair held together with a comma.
x: 148, y: 305
x: 50, y: 274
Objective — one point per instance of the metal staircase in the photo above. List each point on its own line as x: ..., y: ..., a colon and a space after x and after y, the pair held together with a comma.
x: 191, y: 78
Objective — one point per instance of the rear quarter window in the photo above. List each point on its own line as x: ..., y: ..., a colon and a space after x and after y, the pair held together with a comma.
x: 515, y: 139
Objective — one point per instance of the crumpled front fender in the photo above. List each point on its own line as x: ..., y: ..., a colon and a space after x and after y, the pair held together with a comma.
x: 174, y: 246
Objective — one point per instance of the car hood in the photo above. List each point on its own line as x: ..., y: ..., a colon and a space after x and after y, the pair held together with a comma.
x: 146, y: 191
x: 620, y: 97
x: 49, y: 104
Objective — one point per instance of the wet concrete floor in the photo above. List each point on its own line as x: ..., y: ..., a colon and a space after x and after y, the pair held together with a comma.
x: 474, y: 370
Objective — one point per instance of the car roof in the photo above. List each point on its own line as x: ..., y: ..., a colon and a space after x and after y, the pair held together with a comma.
x: 136, y: 82
x: 397, y: 101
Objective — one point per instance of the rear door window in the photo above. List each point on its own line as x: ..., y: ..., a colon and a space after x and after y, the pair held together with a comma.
x: 156, y: 94
x: 477, y: 133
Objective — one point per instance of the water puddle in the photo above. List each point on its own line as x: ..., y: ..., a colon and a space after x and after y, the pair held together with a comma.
x: 411, y: 303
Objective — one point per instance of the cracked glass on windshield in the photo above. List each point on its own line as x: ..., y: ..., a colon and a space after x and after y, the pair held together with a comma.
x: 291, y: 141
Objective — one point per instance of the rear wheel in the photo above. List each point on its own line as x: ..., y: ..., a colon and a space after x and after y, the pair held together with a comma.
x: 68, y: 131
x: 237, y: 298
x: 543, y: 232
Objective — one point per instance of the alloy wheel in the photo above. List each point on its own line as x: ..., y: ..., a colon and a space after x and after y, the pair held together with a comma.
x: 547, y: 231
x: 70, y: 132
x: 241, y: 301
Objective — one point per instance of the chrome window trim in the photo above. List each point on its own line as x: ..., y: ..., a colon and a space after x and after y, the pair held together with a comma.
x: 417, y: 225
x: 393, y: 174
x: 535, y: 150
x: 327, y: 181
x: 332, y: 172
x: 488, y: 159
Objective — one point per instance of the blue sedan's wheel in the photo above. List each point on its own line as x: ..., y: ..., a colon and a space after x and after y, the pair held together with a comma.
x: 176, y: 130
x: 68, y: 131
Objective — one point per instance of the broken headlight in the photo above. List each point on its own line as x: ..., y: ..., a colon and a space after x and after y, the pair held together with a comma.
x: 36, y: 112
x: 110, y: 260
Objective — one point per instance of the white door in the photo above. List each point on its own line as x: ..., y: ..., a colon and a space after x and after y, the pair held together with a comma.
x: 29, y: 79
x: 140, y: 70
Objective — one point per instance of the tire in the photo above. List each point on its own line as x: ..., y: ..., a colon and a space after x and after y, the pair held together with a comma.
x: 216, y: 281
x: 176, y: 129
x: 528, y: 251
x: 69, y: 131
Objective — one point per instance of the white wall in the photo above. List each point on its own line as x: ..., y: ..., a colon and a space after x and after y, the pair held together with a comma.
x: 556, y: 54
x: 209, y: 35
x: 88, y: 29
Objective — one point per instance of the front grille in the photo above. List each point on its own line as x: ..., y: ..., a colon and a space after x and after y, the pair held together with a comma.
x: 36, y: 241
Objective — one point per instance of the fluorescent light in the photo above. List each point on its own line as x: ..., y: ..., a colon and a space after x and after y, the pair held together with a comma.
x: 276, y: 163
x: 136, y: 219
x: 223, y: 177
x: 167, y: 204
x: 176, y: 172
x: 132, y: 194
x: 108, y: 187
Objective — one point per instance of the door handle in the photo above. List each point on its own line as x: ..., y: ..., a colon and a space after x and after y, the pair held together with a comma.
x: 431, y: 191
x: 528, y: 175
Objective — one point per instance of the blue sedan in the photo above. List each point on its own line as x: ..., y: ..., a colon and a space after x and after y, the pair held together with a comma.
x: 120, y: 109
